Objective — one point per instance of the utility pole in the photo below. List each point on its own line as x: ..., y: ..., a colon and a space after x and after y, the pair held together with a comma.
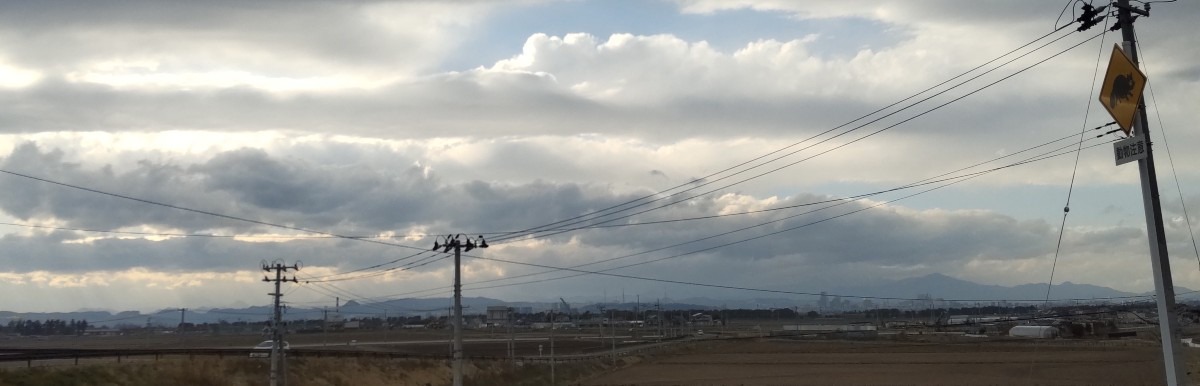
x: 1176, y: 370
x: 512, y: 344
x: 612, y: 322
x: 278, y: 376
x: 179, y: 329
x: 457, y: 246
x: 553, y: 316
x: 658, y: 306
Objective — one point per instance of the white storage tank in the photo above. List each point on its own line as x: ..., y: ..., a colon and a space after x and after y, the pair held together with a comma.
x: 1033, y: 331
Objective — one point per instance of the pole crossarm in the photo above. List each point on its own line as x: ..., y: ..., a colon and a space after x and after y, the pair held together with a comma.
x: 278, y: 346
x: 457, y: 244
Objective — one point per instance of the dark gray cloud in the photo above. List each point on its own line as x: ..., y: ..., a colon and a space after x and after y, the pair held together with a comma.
x: 363, y: 200
x: 443, y: 106
x: 531, y: 142
x: 251, y: 184
x: 318, y: 36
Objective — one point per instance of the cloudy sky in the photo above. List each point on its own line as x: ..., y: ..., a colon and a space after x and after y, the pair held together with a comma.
x: 150, y: 148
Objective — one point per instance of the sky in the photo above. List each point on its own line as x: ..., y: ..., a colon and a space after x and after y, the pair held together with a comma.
x: 156, y: 153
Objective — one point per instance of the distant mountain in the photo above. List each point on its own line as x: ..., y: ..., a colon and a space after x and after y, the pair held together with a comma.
x: 748, y: 303
x: 945, y: 287
x: 935, y: 285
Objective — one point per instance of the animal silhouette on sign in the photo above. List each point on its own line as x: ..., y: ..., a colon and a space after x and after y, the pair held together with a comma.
x: 1122, y: 89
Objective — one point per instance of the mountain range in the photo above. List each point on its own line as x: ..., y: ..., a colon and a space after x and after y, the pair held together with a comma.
x: 889, y: 294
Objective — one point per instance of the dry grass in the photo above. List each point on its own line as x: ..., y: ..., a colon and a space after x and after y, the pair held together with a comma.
x: 780, y: 362
x: 205, y: 371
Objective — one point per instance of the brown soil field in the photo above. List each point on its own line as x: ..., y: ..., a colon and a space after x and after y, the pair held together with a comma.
x: 434, y: 342
x: 790, y: 362
x: 758, y: 361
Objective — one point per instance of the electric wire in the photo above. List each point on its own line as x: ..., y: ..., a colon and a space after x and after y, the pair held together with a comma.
x: 395, y: 244
x: 1163, y: 129
x: 504, y: 239
x: 169, y: 234
x: 707, y: 178
x: 321, y: 277
x: 926, y: 181
x: 1062, y: 228
x: 236, y: 218
x: 422, y: 262
x: 410, y: 266
x: 764, y: 235
x: 606, y: 273
x: 1064, y: 12
x: 200, y: 211
x: 499, y: 260
x: 1075, y: 166
x: 757, y: 211
x: 839, y: 203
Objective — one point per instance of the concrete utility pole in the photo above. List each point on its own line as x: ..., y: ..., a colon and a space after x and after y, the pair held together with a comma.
x: 553, y: 316
x: 658, y: 306
x: 601, y: 326
x: 278, y: 375
x: 512, y: 343
x: 458, y: 246
x: 613, y: 325
x: 1163, y: 284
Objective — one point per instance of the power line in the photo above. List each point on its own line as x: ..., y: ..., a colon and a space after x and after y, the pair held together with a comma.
x: 333, y: 235
x: 1034, y: 159
x: 547, y: 227
x: 556, y: 231
x: 605, y: 272
x: 838, y: 201
x: 170, y: 234
x: 199, y: 211
x: 400, y: 245
x: 502, y: 240
x: 760, y: 236
x: 1062, y: 228
x: 410, y: 266
x: 958, y: 178
x: 1162, y: 129
x: 926, y: 181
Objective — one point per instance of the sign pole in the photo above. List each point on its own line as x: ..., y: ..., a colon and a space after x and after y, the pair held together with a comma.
x: 1176, y: 373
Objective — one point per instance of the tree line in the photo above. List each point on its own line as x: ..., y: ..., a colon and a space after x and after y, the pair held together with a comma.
x: 45, y: 327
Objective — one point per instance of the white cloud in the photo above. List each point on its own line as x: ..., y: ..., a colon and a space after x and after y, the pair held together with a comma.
x: 335, y: 116
x: 278, y: 46
x: 16, y: 77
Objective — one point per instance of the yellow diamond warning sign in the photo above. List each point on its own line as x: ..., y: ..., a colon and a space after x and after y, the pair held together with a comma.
x: 1123, y: 84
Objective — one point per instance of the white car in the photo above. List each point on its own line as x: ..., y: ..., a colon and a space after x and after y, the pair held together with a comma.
x: 263, y: 350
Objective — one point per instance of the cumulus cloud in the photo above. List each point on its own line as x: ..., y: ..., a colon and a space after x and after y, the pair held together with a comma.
x: 273, y: 44
x: 364, y: 199
x: 337, y: 117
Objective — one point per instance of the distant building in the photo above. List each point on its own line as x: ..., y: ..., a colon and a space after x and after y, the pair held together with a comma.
x: 498, y: 315
x: 701, y: 319
x: 102, y: 332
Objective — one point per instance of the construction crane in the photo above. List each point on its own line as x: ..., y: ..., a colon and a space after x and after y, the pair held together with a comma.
x: 566, y: 307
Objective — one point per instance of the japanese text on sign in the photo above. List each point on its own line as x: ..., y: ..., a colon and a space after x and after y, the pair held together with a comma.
x: 1129, y: 149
